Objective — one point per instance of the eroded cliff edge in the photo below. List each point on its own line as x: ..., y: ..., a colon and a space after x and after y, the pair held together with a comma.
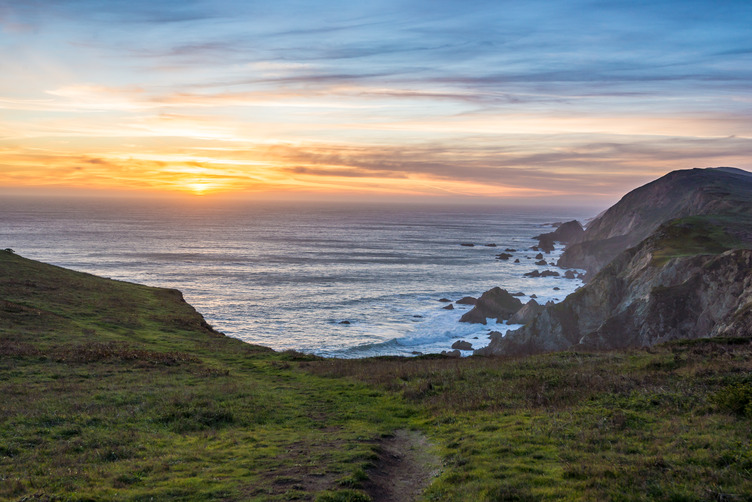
x: 689, y: 277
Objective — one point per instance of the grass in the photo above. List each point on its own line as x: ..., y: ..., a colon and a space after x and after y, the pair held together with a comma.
x: 698, y: 235
x: 117, y: 391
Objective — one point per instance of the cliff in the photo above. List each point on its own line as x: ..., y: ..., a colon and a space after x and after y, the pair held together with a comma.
x: 689, y: 277
x: 691, y: 192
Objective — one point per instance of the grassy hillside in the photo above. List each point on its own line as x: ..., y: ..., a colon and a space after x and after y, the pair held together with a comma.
x: 118, y: 391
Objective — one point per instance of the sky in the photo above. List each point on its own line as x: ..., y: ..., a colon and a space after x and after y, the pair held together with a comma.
x: 528, y: 101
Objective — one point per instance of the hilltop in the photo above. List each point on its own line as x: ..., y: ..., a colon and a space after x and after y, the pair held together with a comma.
x: 671, y: 260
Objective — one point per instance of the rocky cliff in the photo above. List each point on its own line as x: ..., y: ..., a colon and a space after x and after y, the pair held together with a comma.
x: 638, y: 214
x: 690, y: 277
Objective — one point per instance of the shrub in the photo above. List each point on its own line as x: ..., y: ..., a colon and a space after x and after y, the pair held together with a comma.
x: 736, y: 398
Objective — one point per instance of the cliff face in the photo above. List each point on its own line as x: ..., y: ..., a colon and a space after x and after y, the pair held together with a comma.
x: 690, y: 277
x: 638, y: 214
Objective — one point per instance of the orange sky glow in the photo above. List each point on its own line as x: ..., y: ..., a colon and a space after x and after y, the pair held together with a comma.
x: 216, y: 102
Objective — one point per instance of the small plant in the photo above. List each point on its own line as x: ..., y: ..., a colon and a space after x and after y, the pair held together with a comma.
x: 736, y: 398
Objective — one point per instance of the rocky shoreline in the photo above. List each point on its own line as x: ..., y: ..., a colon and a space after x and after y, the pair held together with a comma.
x: 502, y: 306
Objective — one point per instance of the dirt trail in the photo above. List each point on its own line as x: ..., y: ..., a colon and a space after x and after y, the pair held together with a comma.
x: 405, y: 468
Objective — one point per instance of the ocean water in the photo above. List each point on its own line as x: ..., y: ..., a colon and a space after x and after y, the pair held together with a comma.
x: 335, y: 280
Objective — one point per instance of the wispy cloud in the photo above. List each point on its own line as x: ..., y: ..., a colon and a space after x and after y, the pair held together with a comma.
x: 422, y: 97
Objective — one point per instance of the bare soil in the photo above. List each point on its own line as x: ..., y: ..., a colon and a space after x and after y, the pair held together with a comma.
x: 405, y: 468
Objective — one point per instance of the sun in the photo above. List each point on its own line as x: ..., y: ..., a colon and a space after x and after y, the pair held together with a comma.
x: 199, y: 188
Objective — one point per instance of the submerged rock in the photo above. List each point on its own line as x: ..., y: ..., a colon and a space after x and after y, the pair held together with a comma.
x: 448, y: 307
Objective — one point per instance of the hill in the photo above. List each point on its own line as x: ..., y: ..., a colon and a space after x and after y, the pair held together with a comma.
x: 688, y: 276
x: 722, y: 191
x: 115, y: 391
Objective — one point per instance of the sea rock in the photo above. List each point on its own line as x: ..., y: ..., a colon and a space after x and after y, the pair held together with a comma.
x: 541, y: 262
x: 491, y: 245
x: 496, y: 303
x: 448, y: 307
x: 557, y: 288
x: 451, y: 353
x: 546, y: 243
x: 571, y: 231
x: 549, y: 273
x: 445, y: 300
x: 519, y: 293
x: 526, y: 313
x: 503, y: 256
x: 533, y: 296
x: 517, y: 260
x: 534, y: 273
x: 345, y: 322
x: 466, y: 300
x: 569, y: 274
x: 468, y: 244
x: 510, y: 250
x: 539, y: 256
x: 462, y: 345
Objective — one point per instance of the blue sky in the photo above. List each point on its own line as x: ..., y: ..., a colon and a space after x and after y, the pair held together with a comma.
x: 491, y: 100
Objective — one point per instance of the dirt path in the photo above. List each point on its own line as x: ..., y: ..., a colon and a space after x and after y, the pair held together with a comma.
x: 405, y: 468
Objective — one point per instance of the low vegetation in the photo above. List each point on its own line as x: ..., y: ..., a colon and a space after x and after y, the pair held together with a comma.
x: 697, y: 235
x: 117, y: 391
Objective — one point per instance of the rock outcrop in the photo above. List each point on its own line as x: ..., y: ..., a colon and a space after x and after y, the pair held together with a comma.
x: 527, y: 313
x: 571, y: 231
x: 496, y: 303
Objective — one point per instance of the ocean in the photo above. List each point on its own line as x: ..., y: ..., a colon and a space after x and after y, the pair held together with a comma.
x: 335, y: 280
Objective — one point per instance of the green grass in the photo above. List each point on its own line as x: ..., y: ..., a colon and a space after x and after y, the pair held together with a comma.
x: 117, y: 391
x: 698, y: 235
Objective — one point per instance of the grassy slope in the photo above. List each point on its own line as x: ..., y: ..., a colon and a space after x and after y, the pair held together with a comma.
x: 707, y: 234
x: 112, y: 390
